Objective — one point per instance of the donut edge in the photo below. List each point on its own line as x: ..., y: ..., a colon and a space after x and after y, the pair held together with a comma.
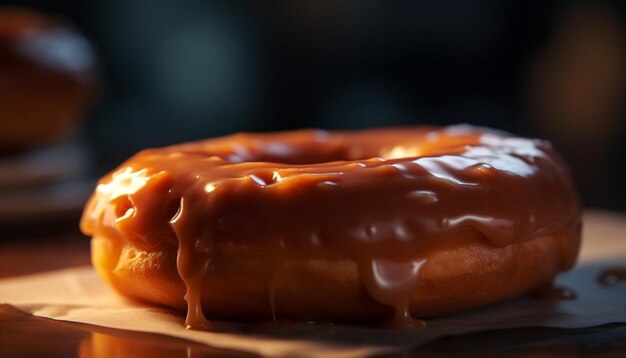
x: 453, y: 280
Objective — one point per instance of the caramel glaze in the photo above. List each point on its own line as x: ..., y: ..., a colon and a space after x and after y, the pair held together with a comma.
x: 385, y: 199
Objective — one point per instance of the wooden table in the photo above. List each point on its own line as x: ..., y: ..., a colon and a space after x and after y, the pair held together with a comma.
x: 23, y: 335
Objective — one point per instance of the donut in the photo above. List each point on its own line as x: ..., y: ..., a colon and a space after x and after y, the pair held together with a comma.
x: 47, y: 79
x: 381, y: 225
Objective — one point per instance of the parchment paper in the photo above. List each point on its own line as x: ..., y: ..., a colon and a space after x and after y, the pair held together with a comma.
x: 79, y: 295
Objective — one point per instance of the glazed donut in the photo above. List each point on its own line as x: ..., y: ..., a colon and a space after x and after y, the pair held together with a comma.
x: 47, y: 79
x: 373, y: 225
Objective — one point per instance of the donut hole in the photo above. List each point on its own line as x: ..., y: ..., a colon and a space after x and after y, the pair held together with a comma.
x: 312, y: 157
x: 291, y: 154
x: 318, y: 147
x: 294, y: 155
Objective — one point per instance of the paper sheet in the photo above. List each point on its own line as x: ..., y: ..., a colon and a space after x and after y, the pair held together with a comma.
x: 79, y: 295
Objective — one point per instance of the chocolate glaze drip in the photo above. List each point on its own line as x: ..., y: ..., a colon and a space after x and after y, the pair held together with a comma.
x: 384, y: 199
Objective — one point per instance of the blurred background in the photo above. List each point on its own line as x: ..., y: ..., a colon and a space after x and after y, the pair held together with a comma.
x: 176, y: 70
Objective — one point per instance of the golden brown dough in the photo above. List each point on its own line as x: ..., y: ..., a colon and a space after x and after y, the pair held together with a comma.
x: 452, y: 281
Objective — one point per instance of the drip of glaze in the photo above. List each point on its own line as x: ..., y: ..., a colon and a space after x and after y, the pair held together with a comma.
x: 270, y: 283
x: 392, y: 283
x: 270, y: 276
x: 195, y: 316
x: 612, y: 276
x: 554, y: 293
x: 193, y: 263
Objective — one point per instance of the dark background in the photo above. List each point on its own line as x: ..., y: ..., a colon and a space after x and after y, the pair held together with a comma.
x: 177, y: 70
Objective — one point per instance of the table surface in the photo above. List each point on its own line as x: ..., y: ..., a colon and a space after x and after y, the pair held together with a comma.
x: 23, y: 335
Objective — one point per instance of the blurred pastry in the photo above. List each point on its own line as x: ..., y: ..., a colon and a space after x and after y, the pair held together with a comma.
x: 47, y: 79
